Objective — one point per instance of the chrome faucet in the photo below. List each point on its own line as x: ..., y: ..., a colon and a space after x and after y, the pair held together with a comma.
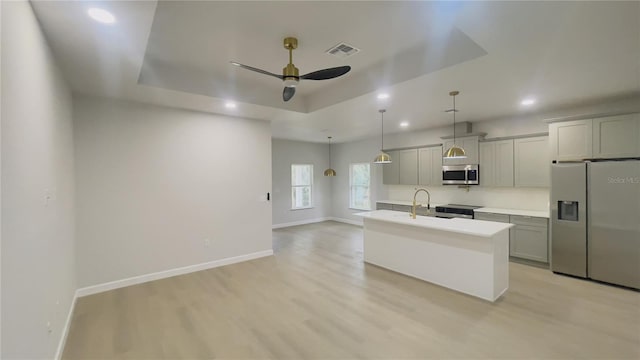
x: 413, y: 208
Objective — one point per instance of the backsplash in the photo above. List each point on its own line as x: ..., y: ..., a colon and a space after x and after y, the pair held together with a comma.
x: 508, y: 198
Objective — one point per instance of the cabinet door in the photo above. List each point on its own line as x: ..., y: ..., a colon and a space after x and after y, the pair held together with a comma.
x: 616, y: 136
x: 487, y: 163
x: 430, y: 166
x: 532, y: 165
x: 504, y: 163
x: 529, y: 242
x: 571, y: 140
x: 470, y: 146
x: 436, y: 166
x: 496, y: 163
x: 390, y: 172
x: 408, y: 160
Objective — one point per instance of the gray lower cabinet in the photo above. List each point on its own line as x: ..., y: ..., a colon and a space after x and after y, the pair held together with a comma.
x: 492, y: 217
x: 403, y: 208
x: 383, y: 206
x: 529, y: 238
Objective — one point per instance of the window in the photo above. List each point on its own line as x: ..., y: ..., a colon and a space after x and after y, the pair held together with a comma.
x: 359, y: 181
x: 301, y: 183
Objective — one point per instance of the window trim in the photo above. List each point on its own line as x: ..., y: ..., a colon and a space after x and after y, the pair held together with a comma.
x: 351, y: 185
x: 310, y: 185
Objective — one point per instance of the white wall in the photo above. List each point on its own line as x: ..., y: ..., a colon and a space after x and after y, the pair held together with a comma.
x: 38, y: 256
x: 349, y: 153
x: 155, y: 183
x: 0, y: 182
x: 285, y: 153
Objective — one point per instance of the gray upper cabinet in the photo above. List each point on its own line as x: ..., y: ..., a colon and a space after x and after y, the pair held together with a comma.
x: 532, y: 163
x: 391, y: 171
x: 408, y: 166
x: 607, y: 137
x: 571, y: 140
x: 470, y: 146
x: 430, y: 166
x: 616, y: 136
x: 496, y: 163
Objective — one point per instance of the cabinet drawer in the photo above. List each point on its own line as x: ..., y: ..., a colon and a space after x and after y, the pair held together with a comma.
x: 405, y: 208
x: 528, y: 220
x: 384, y: 206
x: 492, y: 217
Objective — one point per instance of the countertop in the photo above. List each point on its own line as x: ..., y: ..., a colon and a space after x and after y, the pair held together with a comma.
x: 520, y: 212
x: 456, y: 225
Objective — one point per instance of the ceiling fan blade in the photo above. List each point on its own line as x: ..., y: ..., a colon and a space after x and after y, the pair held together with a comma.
x: 256, y: 70
x: 325, y: 74
x: 288, y: 93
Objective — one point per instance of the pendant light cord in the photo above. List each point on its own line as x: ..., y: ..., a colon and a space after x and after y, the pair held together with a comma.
x: 454, y: 120
x: 382, y: 126
x: 329, y: 152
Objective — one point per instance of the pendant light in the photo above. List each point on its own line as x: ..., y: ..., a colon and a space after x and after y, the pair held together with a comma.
x: 454, y: 152
x: 383, y: 157
x: 329, y: 171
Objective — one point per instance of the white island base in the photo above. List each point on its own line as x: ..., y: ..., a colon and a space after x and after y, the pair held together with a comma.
x: 470, y: 256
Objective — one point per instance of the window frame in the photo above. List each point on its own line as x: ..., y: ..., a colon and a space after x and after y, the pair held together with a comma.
x: 310, y: 186
x: 352, y: 185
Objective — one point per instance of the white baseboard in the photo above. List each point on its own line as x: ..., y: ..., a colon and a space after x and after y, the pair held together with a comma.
x: 65, y: 329
x: 346, y: 221
x: 302, y: 222
x: 94, y: 289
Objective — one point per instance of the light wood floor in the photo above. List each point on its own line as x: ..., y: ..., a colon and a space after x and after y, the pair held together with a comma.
x: 315, y: 298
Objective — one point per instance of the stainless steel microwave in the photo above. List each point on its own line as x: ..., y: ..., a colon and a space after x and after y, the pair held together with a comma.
x: 460, y: 175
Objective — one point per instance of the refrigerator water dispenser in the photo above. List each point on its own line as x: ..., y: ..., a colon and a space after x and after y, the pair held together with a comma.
x: 568, y: 210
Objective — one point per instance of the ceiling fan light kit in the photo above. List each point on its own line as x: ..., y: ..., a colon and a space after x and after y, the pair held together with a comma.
x: 382, y: 157
x: 291, y: 74
x: 454, y: 152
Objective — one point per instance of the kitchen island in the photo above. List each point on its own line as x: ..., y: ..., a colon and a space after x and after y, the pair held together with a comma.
x: 470, y: 256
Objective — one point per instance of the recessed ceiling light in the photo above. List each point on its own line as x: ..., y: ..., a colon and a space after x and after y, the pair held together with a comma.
x: 404, y: 124
x: 383, y: 96
x: 528, y: 102
x: 230, y: 105
x: 102, y: 16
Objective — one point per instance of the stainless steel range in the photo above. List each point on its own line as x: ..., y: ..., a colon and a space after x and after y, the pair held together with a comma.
x: 456, y: 210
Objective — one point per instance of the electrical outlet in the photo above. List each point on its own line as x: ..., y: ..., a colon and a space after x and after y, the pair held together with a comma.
x: 207, y: 242
x: 49, y: 330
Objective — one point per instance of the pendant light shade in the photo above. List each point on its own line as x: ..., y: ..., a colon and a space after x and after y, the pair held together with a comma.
x: 383, y: 157
x: 329, y: 171
x: 454, y: 152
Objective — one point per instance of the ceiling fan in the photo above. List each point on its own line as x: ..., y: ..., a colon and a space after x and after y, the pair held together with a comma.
x: 290, y: 74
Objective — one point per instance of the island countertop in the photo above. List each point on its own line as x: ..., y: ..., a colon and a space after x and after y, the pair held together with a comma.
x: 457, y: 225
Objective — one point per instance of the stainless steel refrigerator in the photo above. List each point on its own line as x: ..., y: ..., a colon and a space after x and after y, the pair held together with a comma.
x: 595, y: 220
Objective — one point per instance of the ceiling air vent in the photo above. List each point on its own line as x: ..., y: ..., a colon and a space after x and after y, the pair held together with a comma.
x: 342, y: 50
